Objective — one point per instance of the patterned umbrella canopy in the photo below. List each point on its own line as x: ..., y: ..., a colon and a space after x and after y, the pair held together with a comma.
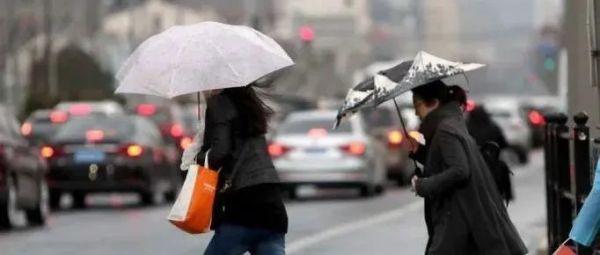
x: 425, y: 69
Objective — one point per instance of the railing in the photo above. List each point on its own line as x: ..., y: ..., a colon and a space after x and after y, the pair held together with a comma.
x: 569, y: 174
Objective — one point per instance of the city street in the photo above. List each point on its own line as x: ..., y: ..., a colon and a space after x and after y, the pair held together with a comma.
x: 331, y: 222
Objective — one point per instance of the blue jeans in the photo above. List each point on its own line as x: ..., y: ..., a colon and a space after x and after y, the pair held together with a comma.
x: 232, y: 239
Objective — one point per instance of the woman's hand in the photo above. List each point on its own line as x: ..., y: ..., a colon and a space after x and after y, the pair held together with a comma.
x: 413, y: 182
x: 412, y: 144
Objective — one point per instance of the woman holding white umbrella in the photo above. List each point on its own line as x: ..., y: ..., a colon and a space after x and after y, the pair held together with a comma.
x: 223, y: 62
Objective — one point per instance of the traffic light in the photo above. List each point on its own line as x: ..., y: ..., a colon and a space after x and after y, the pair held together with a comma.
x: 306, y: 33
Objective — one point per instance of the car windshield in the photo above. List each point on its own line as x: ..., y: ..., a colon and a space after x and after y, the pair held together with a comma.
x: 107, y: 128
x: 191, y: 122
x: 379, y: 118
x: 304, y: 125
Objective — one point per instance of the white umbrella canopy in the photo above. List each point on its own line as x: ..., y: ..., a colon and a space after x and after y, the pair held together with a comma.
x: 200, y: 57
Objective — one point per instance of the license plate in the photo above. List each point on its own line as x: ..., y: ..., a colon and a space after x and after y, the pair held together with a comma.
x: 315, y: 150
x: 89, y: 156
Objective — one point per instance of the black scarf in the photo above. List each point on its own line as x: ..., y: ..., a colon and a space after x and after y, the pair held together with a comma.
x: 434, y: 118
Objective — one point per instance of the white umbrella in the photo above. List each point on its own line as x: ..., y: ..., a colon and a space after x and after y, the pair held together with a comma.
x: 200, y: 57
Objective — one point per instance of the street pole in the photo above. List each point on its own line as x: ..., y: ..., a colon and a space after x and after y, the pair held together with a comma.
x: 594, y: 34
x: 48, y: 51
x: 6, y: 51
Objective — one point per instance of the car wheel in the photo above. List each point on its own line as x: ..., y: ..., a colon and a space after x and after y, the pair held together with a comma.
x: 170, y: 196
x: 79, y: 200
x: 9, y: 213
x: 401, y: 181
x: 55, y: 199
x: 292, y: 193
x: 367, y: 190
x: 152, y: 197
x: 523, y: 157
x: 379, y: 189
x: 38, y: 215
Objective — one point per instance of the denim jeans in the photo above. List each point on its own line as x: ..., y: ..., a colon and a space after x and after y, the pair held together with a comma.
x: 232, y: 239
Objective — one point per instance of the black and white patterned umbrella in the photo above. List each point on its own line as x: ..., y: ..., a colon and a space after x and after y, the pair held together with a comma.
x: 425, y: 69
x: 362, y: 95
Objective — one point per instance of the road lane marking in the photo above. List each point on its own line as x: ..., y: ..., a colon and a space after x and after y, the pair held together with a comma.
x: 351, y: 227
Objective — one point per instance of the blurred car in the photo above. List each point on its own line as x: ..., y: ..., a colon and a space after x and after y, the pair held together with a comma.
x: 22, y: 171
x: 191, y: 123
x: 509, y: 116
x: 85, y: 108
x: 170, y: 120
x: 536, y: 109
x: 41, y: 125
x: 383, y: 124
x: 109, y: 154
x: 306, y: 151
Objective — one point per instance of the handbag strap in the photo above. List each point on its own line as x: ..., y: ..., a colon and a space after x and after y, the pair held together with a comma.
x: 206, y: 160
x: 229, y: 181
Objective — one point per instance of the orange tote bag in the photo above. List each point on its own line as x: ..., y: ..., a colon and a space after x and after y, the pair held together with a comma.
x: 192, y: 211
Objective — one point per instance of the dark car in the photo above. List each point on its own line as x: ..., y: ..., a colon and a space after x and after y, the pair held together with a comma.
x: 170, y: 120
x: 22, y: 170
x: 383, y: 124
x: 41, y: 125
x: 109, y: 154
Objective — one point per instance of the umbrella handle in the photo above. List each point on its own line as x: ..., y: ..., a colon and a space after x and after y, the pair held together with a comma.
x: 198, y: 97
x: 404, y: 130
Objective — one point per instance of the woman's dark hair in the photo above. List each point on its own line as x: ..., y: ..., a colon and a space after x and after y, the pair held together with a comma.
x: 252, y: 109
x: 438, y: 90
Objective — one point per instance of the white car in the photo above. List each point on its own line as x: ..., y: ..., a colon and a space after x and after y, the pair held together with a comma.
x: 306, y: 151
x: 508, y: 115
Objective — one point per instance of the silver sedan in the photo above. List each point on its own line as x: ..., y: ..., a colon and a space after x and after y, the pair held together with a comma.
x: 306, y: 151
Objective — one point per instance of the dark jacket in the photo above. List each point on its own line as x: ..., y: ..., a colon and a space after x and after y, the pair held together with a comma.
x: 463, y: 211
x: 225, y: 135
x: 255, y: 198
x: 483, y: 128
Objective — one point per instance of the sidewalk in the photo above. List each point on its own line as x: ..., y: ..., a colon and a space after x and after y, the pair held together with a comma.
x: 528, y: 211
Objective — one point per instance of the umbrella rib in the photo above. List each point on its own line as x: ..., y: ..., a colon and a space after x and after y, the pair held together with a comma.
x: 172, y: 78
x: 223, y: 57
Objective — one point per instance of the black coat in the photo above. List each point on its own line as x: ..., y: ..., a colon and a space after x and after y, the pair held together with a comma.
x: 463, y: 211
x: 483, y: 128
x: 255, y: 198
x: 226, y: 135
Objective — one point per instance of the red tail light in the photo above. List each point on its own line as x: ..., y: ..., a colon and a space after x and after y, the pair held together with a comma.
x: 132, y: 150
x: 536, y: 118
x: 146, y: 109
x: 26, y: 129
x: 185, y: 142
x: 277, y: 150
x: 355, y: 148
x: 94, y: 135
x: 58, y: 117
x: 470, y: 105
x: 395, y: 138
x: 49, y: 152
x: 176, y: 130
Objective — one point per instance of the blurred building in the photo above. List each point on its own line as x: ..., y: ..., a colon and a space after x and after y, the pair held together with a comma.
x: 331, y: 35
x: 121, y: 32
x: 36, y: 29
x: 583, y: 90
x: 396, y: 29
x: 441, y: 28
